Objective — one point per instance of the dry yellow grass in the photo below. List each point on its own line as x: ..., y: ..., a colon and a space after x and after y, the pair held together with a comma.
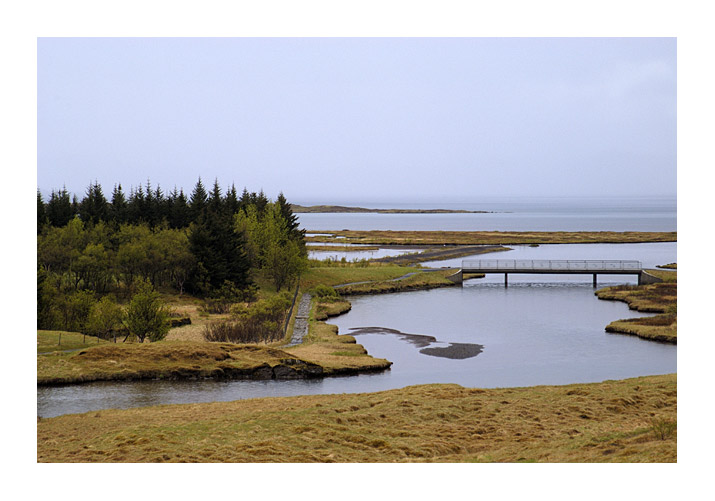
x: 324, y: 309
x: 417, y: 281
x: 632, y: 420
x: 657, y: 298
x: 378, y: 237
x: 337, y: 354
x: 163, y: 360
x: 663, y: 328
x: 653, y: 298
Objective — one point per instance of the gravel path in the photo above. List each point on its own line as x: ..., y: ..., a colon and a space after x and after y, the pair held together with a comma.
x: 300, y: 327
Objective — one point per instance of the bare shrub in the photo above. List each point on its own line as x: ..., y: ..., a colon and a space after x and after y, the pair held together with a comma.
x: 663, y: 428
x: 259, y: 322
x: 241, y: 331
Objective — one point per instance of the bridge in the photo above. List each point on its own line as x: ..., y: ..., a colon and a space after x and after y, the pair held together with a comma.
x: 543, y: 266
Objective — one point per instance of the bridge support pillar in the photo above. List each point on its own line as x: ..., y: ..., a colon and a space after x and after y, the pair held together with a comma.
x: 506, y: 280
x: 594, y: 280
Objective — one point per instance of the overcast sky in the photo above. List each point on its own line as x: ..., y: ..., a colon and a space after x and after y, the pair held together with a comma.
x: 331, y: 120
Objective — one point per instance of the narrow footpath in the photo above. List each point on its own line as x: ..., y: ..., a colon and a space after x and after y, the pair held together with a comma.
x: 300, y: 327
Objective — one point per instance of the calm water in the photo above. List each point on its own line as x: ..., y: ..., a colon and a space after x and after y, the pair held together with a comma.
x: 650, y: 255
x: 541, y: 330
x: 357, y: 254
x: 543, y: 214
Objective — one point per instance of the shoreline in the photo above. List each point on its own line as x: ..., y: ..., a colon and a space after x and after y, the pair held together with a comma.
x: 498, y: 238
x: 341, y: 209
x: 660, y: 298
x: 630, y: 420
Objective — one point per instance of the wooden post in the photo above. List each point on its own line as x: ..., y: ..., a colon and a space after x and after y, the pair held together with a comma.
x: 506, y: 280
x: 594, y: 280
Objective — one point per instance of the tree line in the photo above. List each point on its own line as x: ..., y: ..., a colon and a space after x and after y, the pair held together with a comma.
x: 148, y: 205
x: 206, y: 244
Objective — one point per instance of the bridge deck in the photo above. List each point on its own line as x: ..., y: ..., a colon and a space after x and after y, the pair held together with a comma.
x: 552, y: 266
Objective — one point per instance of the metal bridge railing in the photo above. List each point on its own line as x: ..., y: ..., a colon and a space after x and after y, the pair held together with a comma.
x: 555, y: 265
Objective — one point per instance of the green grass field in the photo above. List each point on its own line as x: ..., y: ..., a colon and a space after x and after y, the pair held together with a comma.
x: 49, y: 341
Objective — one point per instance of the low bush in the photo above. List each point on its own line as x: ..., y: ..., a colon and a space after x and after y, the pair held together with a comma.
x: 241, y: 331
x: 255, y: 323
x: 324, y: 292
x: 221, y: 300
x: 663, y: 428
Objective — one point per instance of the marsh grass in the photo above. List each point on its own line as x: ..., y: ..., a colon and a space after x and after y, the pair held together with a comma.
x: 419, y: 280
x: 656, y: 298
x: 336, y: 275
x: 332, y: 308
x: 613, y: 421
x: 653, y: 298
x: 378, y: 237
x: 162, y: 360
x: 662, y: 428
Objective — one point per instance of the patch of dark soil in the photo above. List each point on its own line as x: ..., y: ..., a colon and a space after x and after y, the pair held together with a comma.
x: 455, y: 351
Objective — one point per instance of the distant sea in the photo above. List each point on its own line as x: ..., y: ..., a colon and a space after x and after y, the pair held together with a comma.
x: 511, y: 214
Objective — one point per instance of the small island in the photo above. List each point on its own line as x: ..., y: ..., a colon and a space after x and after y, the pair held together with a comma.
x: 328, y: 209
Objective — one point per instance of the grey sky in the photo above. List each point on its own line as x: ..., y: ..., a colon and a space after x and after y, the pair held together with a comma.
x: 337, y: 119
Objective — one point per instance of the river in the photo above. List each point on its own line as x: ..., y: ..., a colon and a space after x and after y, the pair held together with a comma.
x: 542, y: 329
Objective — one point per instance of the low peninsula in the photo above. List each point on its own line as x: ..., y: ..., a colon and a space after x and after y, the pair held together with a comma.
x: 339, y: 209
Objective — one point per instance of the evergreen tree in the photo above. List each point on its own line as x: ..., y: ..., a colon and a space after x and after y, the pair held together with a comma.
x: 149, y: 206
x: 118, y: 211
x: 198, y: 201
x: 136, y: 206
x: 93, y: 207
x: 290, y: 219
x: 231, y: 202
x: 215, y: 202
x: 261, y: 202
x: 41, y: 213
x: 160, y: 206
x: 75, y: 206
x: 219, y: 252
x: 178, y: 212
x: 59, y: 208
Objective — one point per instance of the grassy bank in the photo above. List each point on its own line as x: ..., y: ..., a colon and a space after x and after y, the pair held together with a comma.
x: 633, y: 420
x: 373, y: 278
x: 654, y: 298
x: 350, y: 273
x: 338, y: 354
x: 49, y: 341
x: 196, y: 360
x: 417, y: 281
x: 171, y: 360
x: 490, y: 237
